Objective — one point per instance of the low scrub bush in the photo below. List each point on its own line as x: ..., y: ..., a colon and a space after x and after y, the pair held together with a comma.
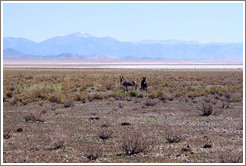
x: 93, y: 152
x: 58, y: 140
x: 55, y: 98
x: 68, y: 103
x: 164, y: 95
x: 9, y: 94
x: 34, y: 116
x: 84, y: 97
x: 173, y: 137
x: 133, y: 93
x: 150, y: 102
x: 206, y: 109
x: 153, y: 95
x: 237, y: 97
x: 135, y: 142
x: 99, y: 96
x: 105, y: 133
x: 231, y: 158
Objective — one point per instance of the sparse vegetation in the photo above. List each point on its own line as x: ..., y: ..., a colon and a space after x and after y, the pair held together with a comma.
x: 105, y: 133
x: 34, y: 116
x: 58, y: 140
x: 93, y: 152
x: 134, y: 142
x: 107, y: 124
x: 173, y: 136
x: 231, y: 158
x: 207, y: 109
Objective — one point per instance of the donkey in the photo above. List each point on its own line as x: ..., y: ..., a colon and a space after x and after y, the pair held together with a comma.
x: 144, y: 84
x: 126, y: 83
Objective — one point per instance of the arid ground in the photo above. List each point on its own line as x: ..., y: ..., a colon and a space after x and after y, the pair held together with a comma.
x: 84, y: 115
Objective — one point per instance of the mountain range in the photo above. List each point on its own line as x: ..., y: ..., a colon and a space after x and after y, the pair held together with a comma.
x: 85, y: 46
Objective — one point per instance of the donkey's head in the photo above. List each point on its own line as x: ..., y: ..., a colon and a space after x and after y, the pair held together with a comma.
x: 121, y: 79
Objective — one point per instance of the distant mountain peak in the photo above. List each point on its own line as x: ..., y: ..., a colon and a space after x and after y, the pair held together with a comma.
x: 81, y: 34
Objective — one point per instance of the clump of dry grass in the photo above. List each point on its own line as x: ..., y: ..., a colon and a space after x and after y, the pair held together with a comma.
x: 68, y: 103
x: 133, y: 93
x: 134, y: 142
x: 93, y: 152
x: 58, y: 140
x: 231, y: 158
x: 206, y: 109
x: 98, y: 96
x: 150, y: 102
x: 173, y: 136
x: 164, y: 95
x: 35, y: 116
x: 105, y: 133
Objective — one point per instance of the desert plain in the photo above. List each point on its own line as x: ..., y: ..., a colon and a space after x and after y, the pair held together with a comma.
x: 83, y: 115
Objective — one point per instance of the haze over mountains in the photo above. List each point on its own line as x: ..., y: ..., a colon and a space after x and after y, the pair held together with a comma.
x: 85, y: 46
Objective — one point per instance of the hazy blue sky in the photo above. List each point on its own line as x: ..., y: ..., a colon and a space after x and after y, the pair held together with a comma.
x: 204, y: 22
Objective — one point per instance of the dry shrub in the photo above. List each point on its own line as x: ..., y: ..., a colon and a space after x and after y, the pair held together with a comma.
x: 133, y: 93
x: 68, y: 103
x: 35, y: 116
x: 134, y: 142
x: 84, y: 97
x: 12, y: 101
x: 231, y: 158
x: 99, y: 96
x: 9, y: 94
x: 237, y: 97
x: 105, y: 133
x: 55, y: 98
x: 150, y: 102
x: 173, y: 136
x: 93, y: 152
x: 153, y: 95
x: 206, y: 109
x: 164, y: 95
x: 58, y: 140
x: 7, y: 135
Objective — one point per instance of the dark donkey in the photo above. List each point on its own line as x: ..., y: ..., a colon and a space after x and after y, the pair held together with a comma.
x: 144, y: 84
x: 126, y: 84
